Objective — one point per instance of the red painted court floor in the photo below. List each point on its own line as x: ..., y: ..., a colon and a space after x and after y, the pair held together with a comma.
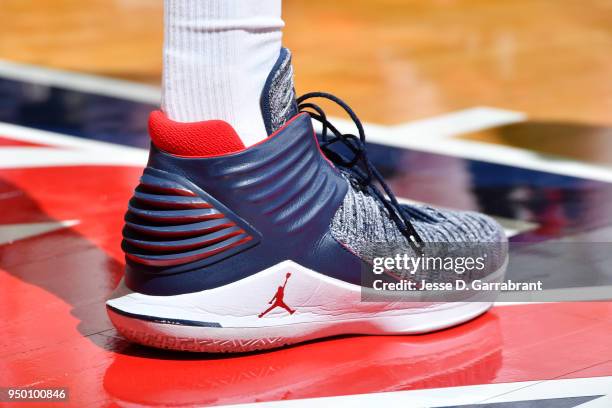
x: 60, y: 258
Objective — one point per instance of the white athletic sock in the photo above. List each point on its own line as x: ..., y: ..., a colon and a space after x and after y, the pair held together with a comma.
x: 217, y: 56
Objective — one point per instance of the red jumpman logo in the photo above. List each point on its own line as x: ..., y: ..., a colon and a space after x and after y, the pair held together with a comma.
x: 278, y: 299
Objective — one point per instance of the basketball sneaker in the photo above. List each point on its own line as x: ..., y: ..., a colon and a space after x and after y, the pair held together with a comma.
x: 233, y: 249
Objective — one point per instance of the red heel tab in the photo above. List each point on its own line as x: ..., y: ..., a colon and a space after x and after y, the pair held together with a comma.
x: 195, y: 139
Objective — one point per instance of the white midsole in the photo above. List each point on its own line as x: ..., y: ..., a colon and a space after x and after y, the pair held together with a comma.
x: 316, y: 299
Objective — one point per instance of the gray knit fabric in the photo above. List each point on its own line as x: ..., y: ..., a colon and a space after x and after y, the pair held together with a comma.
x: 281, y: 93
x: 363, y: 225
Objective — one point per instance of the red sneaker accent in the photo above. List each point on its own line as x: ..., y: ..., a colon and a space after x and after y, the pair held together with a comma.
x: 278, y: 300
x: 196, y: 139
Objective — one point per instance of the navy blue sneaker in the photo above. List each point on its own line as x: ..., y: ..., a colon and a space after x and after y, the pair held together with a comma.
x: 233, y: 249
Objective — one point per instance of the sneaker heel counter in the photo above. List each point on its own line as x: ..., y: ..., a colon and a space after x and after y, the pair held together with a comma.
x: 173, y: 226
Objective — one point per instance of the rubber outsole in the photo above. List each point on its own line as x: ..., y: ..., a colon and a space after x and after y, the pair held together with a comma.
x: 248, y: 339
x: 230, y: 318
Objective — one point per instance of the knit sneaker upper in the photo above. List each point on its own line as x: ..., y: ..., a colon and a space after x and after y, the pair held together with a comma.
x: 363, y: 225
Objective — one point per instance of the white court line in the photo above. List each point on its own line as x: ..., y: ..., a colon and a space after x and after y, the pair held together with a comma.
x: 457, y: 396
x: 460, y: 122
x: 28, y: 134
x: 80, y: 82
x: 31, y: 157
x: 437, y: 127
x: 10, y: 233
x: 428, y: 135
x: 564, y: 388
x: 66, y: 150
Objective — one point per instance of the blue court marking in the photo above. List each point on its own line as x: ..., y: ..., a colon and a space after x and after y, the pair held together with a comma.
x: 75, y: 113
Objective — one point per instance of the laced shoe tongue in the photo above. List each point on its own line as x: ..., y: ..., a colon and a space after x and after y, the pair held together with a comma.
x: 278, y: 103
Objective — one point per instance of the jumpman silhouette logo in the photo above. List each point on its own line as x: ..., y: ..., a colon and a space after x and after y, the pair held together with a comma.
x: 277, y: 300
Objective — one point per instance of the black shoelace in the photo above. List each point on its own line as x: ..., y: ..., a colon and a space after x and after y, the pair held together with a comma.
x: 361, y: 170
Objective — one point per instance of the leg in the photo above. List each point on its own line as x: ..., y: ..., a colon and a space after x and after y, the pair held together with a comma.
x: 217, y: 56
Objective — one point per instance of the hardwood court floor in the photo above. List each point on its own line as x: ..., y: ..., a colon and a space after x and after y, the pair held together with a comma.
x: 392, y: 60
